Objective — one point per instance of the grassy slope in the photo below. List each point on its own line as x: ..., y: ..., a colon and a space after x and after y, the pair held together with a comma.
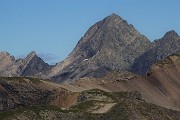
x: 128, y: 107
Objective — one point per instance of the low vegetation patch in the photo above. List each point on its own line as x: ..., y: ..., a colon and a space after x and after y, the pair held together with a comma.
x: 129, y: 105
x: 35, y: 109
x: 21, y: 79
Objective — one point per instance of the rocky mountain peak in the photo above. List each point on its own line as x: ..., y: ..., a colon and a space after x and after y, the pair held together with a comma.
x: 31, y: 54
x: 110, y: 44
x: 33, y: 64
x: 169, y: 44
x: 29, y: 66
x: 171, y: 34
x: 170, y: 39
x: 114, y: 16
x: 4, y: 55
x: 114, y: 21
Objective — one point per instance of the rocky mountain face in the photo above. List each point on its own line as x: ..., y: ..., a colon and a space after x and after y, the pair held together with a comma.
x: 29, y: 66
x: 161, y: 48
x: 111, y: 44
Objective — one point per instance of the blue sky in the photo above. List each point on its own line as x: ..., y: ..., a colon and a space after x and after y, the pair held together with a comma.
x: 53, y: 27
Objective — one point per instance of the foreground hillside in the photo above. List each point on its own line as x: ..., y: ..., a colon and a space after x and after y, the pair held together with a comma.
x: 31, y: 98
x: 96, y: 105
x: 160, y: 86
x: 24, y: 91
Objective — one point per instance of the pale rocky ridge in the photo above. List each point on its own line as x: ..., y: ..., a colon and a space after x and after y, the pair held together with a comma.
x: 29, y: 66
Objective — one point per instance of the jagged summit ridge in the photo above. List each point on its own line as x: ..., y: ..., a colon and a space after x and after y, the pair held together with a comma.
x: 171, y: 33
x: 32, y: 54
x: 5, y: 54
x: 114, y: 17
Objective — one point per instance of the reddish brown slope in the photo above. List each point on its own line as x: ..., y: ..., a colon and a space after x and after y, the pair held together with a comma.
x: 125, y: 81
x: 165, y: 75
x: 161, y: 85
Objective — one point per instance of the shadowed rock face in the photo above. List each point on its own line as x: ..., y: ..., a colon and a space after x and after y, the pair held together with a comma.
x: 18, y: 92
x: 111, y: 44
x: 167, y: 45
x: 14, y: 94
x: 29, y: 66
